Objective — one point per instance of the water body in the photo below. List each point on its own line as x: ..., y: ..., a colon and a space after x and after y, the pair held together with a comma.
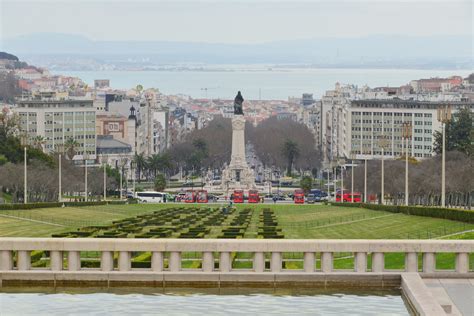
x: 199, y: 304
x: 256, y: 84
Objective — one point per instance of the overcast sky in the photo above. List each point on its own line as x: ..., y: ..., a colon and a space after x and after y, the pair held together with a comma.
x: 244, y: 21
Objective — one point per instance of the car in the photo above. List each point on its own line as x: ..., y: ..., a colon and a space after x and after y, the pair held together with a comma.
x: 311, y: 198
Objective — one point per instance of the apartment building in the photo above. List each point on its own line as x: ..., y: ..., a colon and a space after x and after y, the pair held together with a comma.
x: 57, y: 121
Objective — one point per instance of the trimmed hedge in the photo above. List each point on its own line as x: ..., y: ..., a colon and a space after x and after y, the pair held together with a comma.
x: 30, y: 206
x: 436, y: 212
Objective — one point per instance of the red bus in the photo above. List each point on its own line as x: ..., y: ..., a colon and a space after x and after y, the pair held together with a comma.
x: 189, y: 197
x: 299, y: 197
x: 238, y: 196
x: 201, y: 196
x: 347, y: 197
x: 253, y: 196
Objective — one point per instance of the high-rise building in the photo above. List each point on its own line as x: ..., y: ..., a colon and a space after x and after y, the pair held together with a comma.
x: 56, y: 121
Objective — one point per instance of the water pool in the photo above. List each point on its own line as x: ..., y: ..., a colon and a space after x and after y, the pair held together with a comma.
x: 182, y: 303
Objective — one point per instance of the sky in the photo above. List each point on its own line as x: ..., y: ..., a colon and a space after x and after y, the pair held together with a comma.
x: 227, y: 21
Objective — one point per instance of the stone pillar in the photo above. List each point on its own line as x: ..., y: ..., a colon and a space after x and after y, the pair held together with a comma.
x: 157, y: 261
x: 207, y: 261
x: 107, y: 261
x: 411, y: 262
x: 238, y: 141
x: 6, y: 260
x: 258, y: 262
x: 56, y: 258
x: 124, y: 262
x: 225, y: 265
x: 308, y: 265
x: 175, y: 261
x: 429, y: 262
x: 462, y: 262
x: 276, y: 262
x: 360, y: 262
x: 326, y: 262
x: 74, y: 261
x: 24, y: 260
x: 378, y: 262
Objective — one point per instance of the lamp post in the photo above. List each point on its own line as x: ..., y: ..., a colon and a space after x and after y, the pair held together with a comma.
x: 352, y: 176
x: 104, y: 163
x: 365, y: 179
x: 406, y: 134
x: 60, y: 150
x: 383, y: 143
x: 341, y: 164
x: 24, y: 144
x: 444, y: 116
x: 86, y: 156
x: 132, y: 171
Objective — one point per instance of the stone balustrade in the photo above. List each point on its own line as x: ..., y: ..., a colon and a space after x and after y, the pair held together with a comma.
x: 217, y: 253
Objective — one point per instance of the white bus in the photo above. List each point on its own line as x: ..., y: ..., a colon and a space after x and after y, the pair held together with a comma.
x: 150, y: 197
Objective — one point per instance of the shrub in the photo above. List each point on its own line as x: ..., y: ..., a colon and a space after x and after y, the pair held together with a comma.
x: 436, y: 212
x: 30, y: 206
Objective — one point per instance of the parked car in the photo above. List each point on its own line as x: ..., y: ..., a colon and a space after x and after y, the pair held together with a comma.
x: 311, y: 198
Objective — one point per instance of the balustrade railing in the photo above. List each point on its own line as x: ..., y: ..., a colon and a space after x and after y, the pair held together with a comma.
x: 166, y: 255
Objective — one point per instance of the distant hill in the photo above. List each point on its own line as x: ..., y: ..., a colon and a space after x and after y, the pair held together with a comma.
x: 382, y: 50
x: 8, y: 56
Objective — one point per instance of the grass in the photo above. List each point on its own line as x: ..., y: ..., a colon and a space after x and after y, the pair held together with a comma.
x: 297, y: 221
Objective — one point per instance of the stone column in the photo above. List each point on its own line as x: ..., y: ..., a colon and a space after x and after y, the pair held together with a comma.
x: 429, y: 262
x: 207, y: 261
x: 157, y: 261
x: 73, y: 261
x: 6, y: 260
x: 378, y: 262
x: 175, y: 261
x: 360, y: 262
x: 326, y: 262
x: 107, y: 261
x: 462, y: 262
x: 411, y: 262
x: 258, y: 262
x: 276, y: 262
x: 24, y: 260
x: 56, y: 258
x: 309, y: 262
x: 225, y: 265
x: 125, y: 262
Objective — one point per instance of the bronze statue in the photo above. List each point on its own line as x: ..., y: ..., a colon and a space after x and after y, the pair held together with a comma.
x: 238, y: 110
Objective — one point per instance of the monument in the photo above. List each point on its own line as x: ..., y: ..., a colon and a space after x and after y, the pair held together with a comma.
x: 238, y: 175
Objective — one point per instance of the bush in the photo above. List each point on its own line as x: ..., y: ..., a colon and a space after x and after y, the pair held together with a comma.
x: 436, y: 212
x: 30, y: 206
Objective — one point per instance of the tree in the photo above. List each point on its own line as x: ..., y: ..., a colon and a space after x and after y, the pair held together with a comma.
x: 306, y: 183
x: 291, y: 151
x: 160, y: 182
x: 459, y: 133
x: 70, y: 147
x: 140, y: 163
x: 39, y: 141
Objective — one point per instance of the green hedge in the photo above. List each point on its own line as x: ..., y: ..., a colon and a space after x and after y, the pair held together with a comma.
x: 30, y: 206
x: 436, y: 212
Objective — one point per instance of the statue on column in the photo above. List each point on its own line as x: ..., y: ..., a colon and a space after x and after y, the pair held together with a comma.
x: 238, y: 110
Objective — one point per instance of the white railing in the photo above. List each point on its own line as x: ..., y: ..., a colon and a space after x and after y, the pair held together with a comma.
x: 15, y: 253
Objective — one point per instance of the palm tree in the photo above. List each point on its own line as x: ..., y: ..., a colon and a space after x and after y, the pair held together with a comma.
x: 154, y: 163
x: 291, y: 151
x: 38, y: 142
x: 70, y: 147
x: 140, y: 162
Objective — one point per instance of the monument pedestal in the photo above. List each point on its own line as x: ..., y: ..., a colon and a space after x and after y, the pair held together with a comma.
x: 238, y: 175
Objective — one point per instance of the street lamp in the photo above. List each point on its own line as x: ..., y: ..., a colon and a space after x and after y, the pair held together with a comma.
x: 60, y: 150
x: 383, y: 144
x: 444, y: 116
x: 352, y: 175
x: 24, y: 144
x: 365, y: 175
x: 406, y: 134
x: 85, y: 156
x: 104, y: 163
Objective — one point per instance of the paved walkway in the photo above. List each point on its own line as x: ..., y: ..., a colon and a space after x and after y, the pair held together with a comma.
x: 456, y: 296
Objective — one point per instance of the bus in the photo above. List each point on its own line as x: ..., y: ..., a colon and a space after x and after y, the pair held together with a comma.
x: 253, y: 196
x: 347, y: 197
x: 150, y: 197
x: 189, y: 197
x: 238, y: 196
x: 299, y: 196
x: 201, y: 196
